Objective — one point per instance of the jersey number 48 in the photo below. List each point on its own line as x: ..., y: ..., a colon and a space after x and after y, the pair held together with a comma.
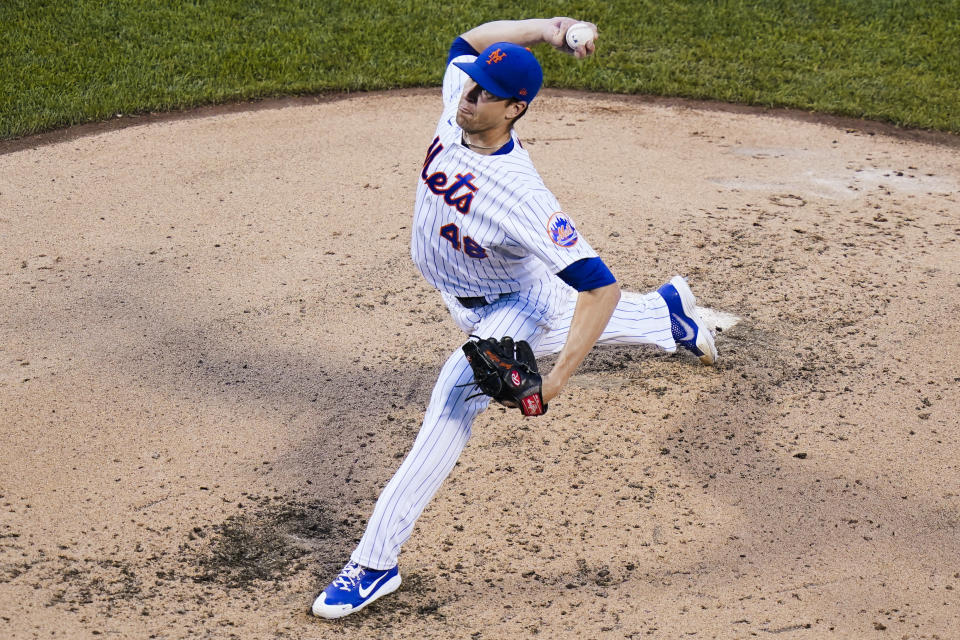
x: 470, y: 247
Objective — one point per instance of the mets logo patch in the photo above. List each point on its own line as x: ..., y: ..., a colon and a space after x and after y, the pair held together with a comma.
x: 561, y: 230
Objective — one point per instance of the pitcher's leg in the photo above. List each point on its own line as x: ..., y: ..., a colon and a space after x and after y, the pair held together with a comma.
x: 666, y: 317
x: 444, y: 433
x: 640, y: 318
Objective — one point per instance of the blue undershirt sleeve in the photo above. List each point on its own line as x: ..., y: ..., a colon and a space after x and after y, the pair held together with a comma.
x: 460, y: 47
x: 587, y: 274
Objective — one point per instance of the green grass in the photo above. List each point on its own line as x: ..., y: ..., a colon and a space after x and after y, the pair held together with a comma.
x: 63, y: 63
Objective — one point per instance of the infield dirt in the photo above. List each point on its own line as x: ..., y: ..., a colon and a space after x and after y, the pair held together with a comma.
x: 214, y: 351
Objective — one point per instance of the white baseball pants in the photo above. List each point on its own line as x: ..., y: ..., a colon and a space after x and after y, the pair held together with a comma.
x: 541, y: 318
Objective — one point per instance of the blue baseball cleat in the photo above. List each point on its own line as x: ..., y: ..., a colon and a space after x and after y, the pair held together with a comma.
x: 689, y: 331
x: 353, y: 589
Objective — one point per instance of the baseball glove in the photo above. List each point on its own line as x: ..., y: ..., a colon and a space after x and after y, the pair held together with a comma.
x: 507, y: 372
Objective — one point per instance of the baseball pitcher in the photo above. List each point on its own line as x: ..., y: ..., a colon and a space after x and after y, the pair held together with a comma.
x: 517, y: 275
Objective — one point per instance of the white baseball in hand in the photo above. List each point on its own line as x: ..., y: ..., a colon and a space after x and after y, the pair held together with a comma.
x: 579, y: 35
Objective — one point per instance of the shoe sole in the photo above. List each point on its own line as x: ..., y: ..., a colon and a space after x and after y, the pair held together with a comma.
x: 689, y: 304
x: 333, y: 612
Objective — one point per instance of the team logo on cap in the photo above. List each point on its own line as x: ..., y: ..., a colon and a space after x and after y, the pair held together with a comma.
x: 561, y: 230
x: 496, y: 56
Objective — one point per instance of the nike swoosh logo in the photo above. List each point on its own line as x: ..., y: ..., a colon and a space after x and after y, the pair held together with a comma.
x: 686, y: 327
x: 365, y: 592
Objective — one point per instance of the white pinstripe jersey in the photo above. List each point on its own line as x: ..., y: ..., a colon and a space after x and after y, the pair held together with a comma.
x: 486, y: 224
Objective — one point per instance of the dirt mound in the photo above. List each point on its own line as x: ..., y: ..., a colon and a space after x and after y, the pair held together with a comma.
x: 207, y: 378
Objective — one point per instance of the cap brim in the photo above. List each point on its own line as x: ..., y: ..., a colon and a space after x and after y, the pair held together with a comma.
x: 480, y: 76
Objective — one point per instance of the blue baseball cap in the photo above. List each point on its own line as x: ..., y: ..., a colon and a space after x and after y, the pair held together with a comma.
x: 506, y: 70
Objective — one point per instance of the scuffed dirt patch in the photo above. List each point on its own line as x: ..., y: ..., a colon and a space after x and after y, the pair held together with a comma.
x: 264, y: 546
